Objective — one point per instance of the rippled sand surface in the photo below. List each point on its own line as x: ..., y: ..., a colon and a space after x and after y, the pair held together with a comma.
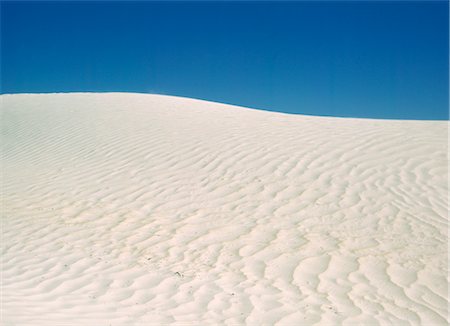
x: 133, y: 209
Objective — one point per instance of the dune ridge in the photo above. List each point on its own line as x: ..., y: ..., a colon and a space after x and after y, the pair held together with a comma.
x: 135, y: 209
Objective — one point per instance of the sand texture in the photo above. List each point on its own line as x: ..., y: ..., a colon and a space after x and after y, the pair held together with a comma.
x: 133, y: 209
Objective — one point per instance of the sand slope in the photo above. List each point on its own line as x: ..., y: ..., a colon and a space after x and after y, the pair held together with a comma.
x: 131, y: 209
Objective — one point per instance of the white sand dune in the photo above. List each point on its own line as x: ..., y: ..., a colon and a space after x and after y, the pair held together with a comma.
x: 133, y: 209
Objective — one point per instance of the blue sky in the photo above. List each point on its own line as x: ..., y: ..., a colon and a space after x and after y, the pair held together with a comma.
x: 376, y: 59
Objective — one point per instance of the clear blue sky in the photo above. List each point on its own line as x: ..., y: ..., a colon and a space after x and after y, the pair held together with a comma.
x: 363, y: 59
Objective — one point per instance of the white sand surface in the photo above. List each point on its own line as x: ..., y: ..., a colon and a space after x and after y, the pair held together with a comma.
x: 134, y: 209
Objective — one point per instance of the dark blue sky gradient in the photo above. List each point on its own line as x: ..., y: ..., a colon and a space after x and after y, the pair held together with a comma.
x: 362, y: 59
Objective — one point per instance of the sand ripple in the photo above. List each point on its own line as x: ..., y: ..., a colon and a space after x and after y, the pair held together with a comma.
x: 127, y: 209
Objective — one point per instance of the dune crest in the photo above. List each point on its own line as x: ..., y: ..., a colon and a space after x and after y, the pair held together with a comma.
x: 134, y: 209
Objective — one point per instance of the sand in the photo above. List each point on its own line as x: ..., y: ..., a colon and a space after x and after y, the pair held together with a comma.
x: 134, y: 209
